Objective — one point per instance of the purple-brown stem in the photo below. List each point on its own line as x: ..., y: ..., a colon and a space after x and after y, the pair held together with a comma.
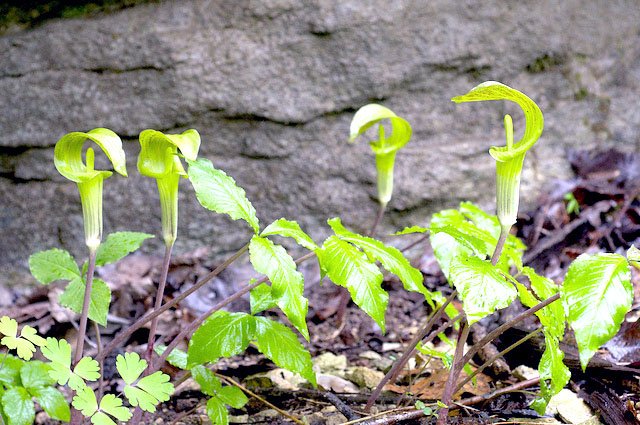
x: 159, y: 297
x: 456, y: 367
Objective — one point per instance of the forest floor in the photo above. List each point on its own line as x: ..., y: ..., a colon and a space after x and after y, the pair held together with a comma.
x: 351, y: 355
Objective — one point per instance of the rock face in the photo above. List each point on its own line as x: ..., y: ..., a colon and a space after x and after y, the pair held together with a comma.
x: 272, y: 85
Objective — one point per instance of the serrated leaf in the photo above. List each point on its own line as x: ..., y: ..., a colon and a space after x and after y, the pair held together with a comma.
x: 218, y: 192
x: 35, y: 374
x: 290, y: 229
x: 221, y: 335
x: 554, y: 374
x: 176, y: 358
x: 59, y: 353
x: 149, y: 391
x: 233, y: 396
x: 25, y: 344
x: 73, y: 298
x: 390, y: 258
x: 597, y: 293
x: 261, y: 298
x: 18, y: 406
x: 10, y: 372
x: 208, y: 381
x: 217, y: 412
x: 411, y: 229
x: 280, y: 344
x: 287, y: 283
x: 482, y: 287
x: 118, y: 245
x: 53, y: 264
x: 52, y: 402
x: 552, y: 316
x: 347, y: 266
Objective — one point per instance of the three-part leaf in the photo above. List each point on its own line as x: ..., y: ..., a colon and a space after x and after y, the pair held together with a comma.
x: 597, y: 293
x: 110, y: 406
x: 287, y: 283
x: 59, y: 353
x: 348, y: 267
x: 146, y: 392
x: 218, y: 192
x: 25, y: 344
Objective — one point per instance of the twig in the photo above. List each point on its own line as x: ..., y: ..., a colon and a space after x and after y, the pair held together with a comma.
x: 341, y: 406
x: 377, y: 415
x: 511, y: 388
x: 252, y: 394
x: 408, y: 352
x: 185, y: 414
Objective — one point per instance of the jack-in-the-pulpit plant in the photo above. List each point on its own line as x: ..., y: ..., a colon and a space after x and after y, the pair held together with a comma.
x: 384, y: 147
x: 509, y: 158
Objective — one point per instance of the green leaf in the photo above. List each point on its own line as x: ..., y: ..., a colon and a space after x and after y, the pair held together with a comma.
x: 280, y: 344
x: 287, y: 283
x: 146, y: 392
x: 118, y: 245
x: 233, y: 396
x: 73, y: 298
x: 217, y: 412
x: 53, y: 264
x: 552, y: 316
x: 218, y: 192
x: 59, y: 353
x: 410, y: 230
x: 390, y: 258
x: 290, y: 229
x: 113, y: 405
x: 68, y: 154
x: 85, y: 401
x: 25, y: 344
x: 554, y: 375
x: 347, y: 266
x: 597, y: 293
x: 482, y: 287
x: 261, y: 298
x: 10, y: 372
x: 208, y: 381
x: 221, y: 335
x: 176, y: 358
x: 18, y: 406
x: 53, y: 402
x: 35, y: 374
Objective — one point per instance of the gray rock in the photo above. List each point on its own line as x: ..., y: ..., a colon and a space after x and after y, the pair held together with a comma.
x: 272, y: 85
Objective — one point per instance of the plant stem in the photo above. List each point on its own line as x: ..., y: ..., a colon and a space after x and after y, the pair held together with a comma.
x: 494, y: 358
x: 376, y: 222
x: 159, y: 297
x: 504, y: 233
x: 511, y: 323
x: 456, y: 368
x: 101, y: 363
x: 200, y: 319
x: 84, y: 316
x: 408, y: 352
x: 126, y: 333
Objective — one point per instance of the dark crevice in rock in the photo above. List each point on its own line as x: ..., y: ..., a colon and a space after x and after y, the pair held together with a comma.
x: 10, y: 175
x: 99, y: 71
